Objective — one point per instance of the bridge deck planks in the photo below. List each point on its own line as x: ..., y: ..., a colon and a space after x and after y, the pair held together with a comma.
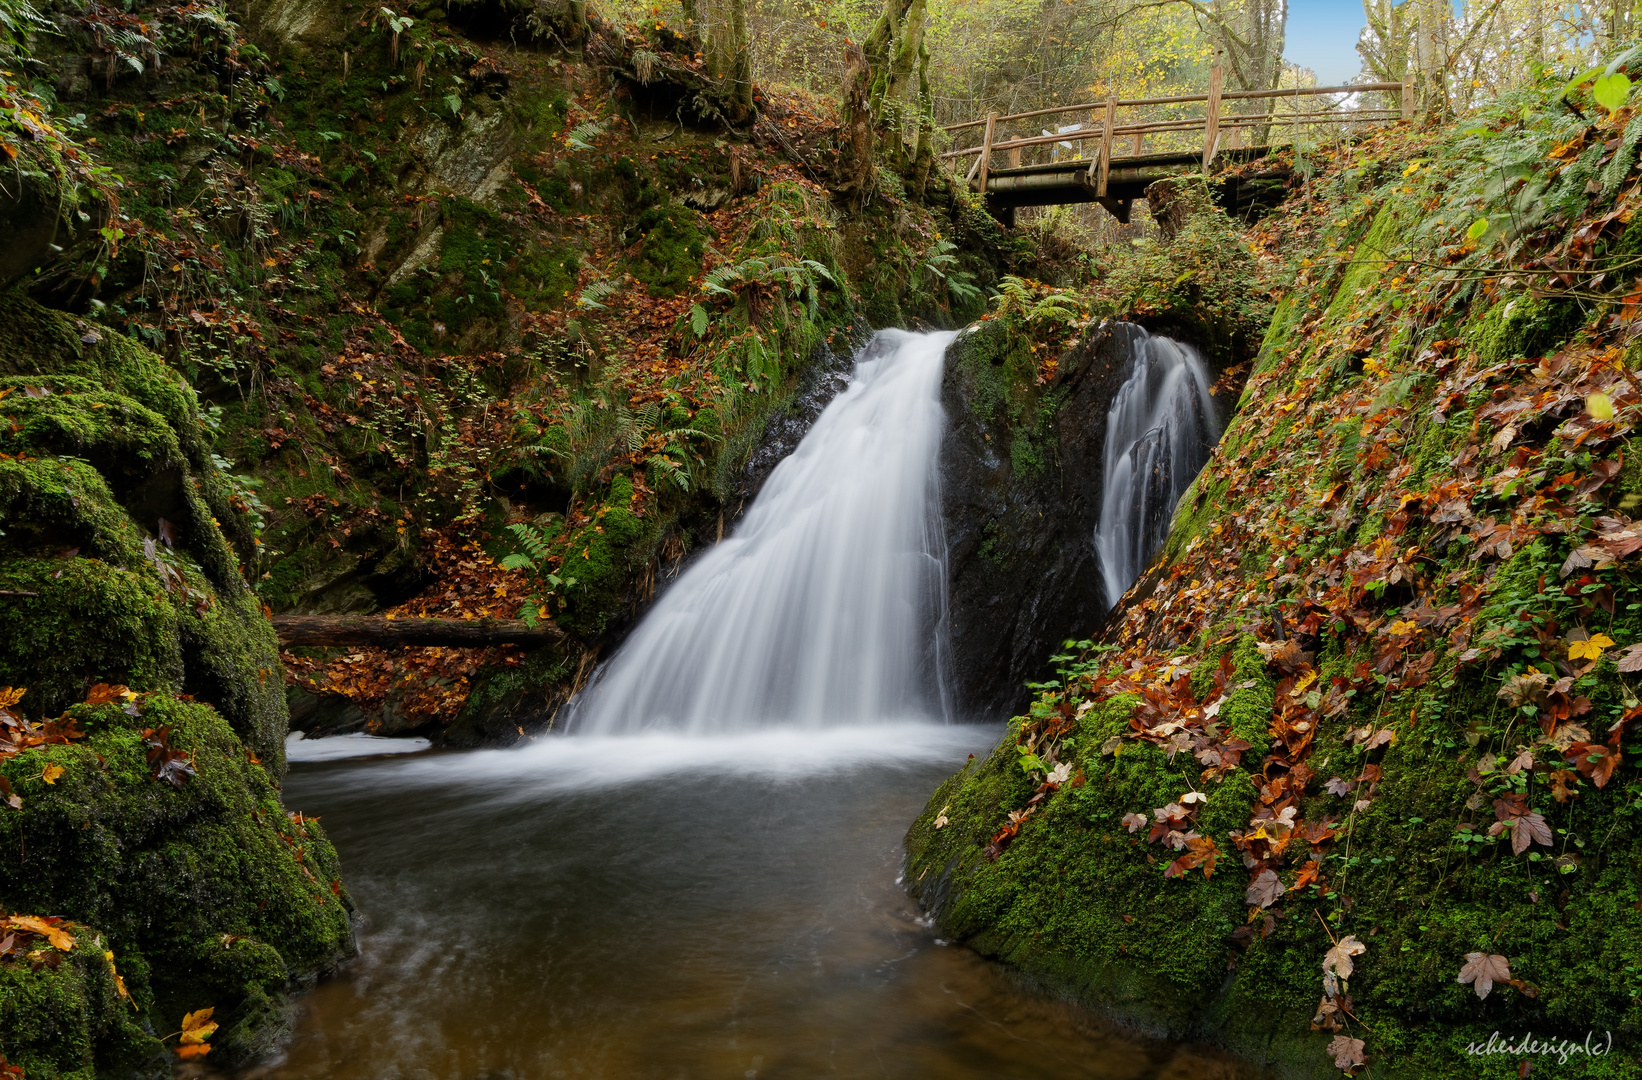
x: 1061, y: 182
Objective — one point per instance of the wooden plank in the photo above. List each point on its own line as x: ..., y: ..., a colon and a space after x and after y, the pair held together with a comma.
x: 986, y: 151
x: 1105, y: 158
x: 1182, y: 99
x: 1121, y: 130
x: 1407, y: 87
x: 1211, y: 124
x: 375, y: 630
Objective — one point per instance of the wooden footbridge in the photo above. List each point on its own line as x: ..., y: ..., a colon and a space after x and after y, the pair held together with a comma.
x: 1115, y: 180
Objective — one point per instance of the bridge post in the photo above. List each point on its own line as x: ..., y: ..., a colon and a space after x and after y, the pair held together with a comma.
x: 1408, y: 94
x: 1211, y: 127
x: 986, y: 152
x: 1105, y: 159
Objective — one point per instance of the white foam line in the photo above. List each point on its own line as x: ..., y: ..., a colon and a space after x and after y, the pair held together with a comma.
x: 588, y: 762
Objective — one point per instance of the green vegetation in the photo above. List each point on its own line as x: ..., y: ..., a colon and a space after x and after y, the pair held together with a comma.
x: 1414, y: 767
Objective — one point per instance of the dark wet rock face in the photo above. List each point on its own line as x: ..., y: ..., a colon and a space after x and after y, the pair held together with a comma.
x: 1021, y: 495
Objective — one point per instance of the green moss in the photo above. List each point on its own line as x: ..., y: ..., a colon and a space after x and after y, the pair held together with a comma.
x: 670, y: 253
x: 611, y: 552
x: 207, y: 894
x: 69, y: 1021
x: 92, y: 596
x: 1524, y: 326
x: 995, y: 367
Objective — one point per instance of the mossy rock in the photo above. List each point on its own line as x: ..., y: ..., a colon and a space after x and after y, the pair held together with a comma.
x: 87, y: 594
x: 1080, y: 903
x: 1524, y: 327
x: 66, y: 1019
x: 50, y: 349
x: 672, y: 248
x: 207, y: 893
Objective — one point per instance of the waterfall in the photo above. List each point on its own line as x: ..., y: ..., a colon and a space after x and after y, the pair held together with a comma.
x: 1159, y: 432
x: 825, y: 605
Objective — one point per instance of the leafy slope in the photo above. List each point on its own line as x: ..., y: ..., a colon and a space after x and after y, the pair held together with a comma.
x: 1367, y: 731
x: 431, y: 283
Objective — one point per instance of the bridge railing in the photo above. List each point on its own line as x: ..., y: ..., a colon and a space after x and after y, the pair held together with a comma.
x: 1217, y: 124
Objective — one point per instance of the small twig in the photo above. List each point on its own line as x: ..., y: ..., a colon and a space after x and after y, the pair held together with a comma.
x: 17, y: 592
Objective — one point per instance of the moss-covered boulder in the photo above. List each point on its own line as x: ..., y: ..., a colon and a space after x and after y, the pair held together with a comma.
x: 114, y: 566
x: 63, y: 1013
x: 117, y: 570
x: 202, y: 891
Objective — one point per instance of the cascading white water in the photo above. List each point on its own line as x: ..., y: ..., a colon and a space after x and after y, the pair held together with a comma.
x: 1159, y: 432
x: 824, y: 607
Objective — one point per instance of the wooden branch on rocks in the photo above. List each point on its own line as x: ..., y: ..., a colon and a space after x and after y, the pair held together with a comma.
x: 378, y: 631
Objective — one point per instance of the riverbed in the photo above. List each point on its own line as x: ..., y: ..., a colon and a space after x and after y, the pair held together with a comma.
x: 669, y: 906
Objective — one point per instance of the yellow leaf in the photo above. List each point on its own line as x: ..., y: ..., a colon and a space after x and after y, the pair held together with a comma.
x: 1405, y: 626
x: 1590, y: 648
x: 199, y: 1050
x: 198, y: 1026
x: 10, y: 696
x: 51, y: 773
x: 59, y: 938
x: 1600, y: 406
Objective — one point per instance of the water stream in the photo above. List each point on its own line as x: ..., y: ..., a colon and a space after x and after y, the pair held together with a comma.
x: 823, y: 607
x: 1159, y: 432
x: 669, y: 906
x: 702, y: 879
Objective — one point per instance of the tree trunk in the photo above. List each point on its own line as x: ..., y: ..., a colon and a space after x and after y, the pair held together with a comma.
x: 374, y: 630
x: 741, y: 62
x: 924, y: 160
x: 855, y: 150
x: 1431, y: 43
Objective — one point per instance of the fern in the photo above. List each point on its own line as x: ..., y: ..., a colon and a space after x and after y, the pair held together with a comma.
x: 535, y: 548
x: 590, y: 298
x: 644, y: 65
x: 581, y: 136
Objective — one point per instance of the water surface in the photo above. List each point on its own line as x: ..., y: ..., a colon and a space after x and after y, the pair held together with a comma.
x: 669, y: 907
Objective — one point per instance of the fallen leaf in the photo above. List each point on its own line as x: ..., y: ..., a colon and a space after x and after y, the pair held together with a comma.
x: 1338, y: 959
x: 1525, y: 689
x: 1529, y: 828
x: 1482, y: 970
x: 103, y: 693
x: 60, y: 939
x: 198, y: 1026
x: 1347, y: 1053
x: 1265, y: 890
x: 50, y: 773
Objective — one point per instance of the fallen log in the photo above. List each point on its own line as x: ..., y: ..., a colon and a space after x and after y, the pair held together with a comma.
x: 375, y: 630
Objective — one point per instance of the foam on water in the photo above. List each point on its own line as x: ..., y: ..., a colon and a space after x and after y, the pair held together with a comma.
x: 556, y: 764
